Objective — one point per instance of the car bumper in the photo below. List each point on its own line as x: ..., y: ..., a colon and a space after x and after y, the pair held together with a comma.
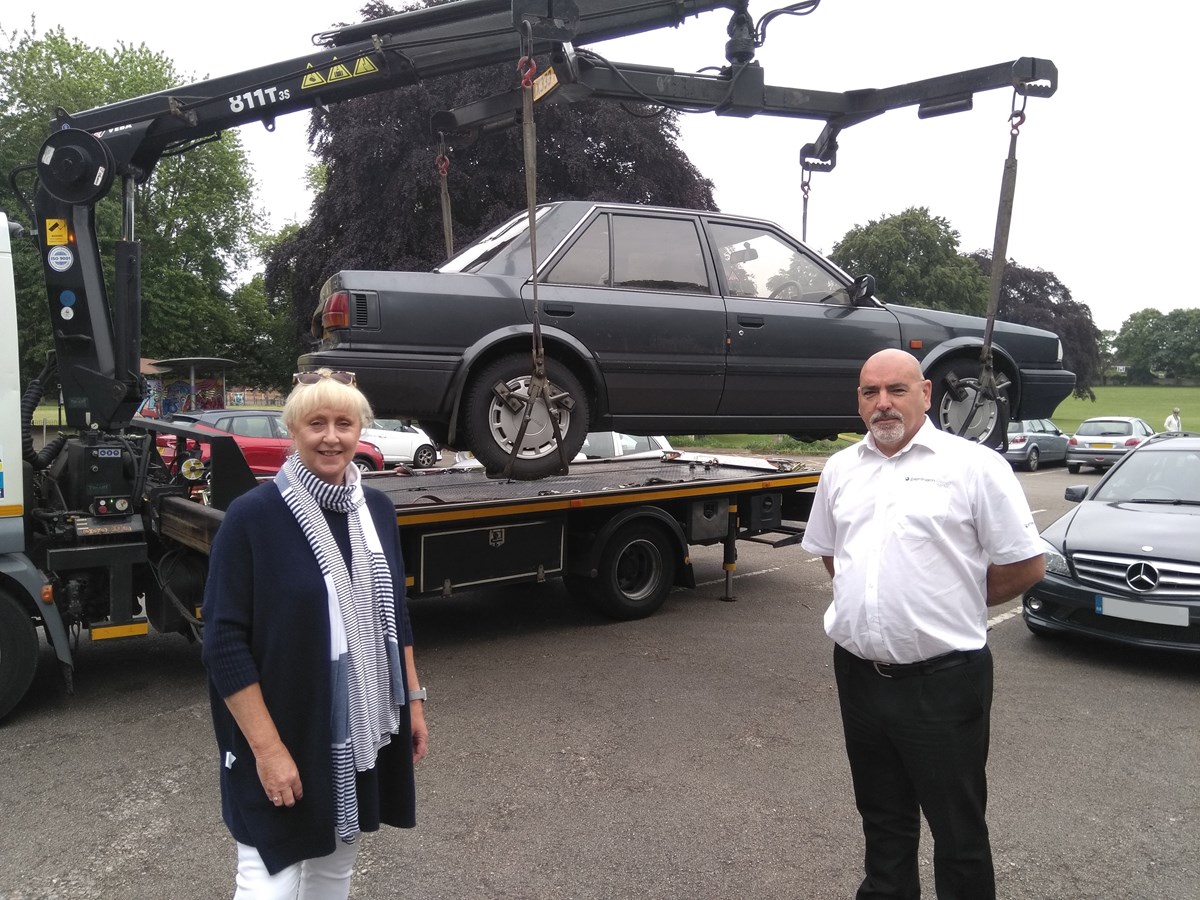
x: 425, y: 380
x: 1042, y: 390
x: 1018, y: 456
x: 1101, y: 459
x: 1061, y: 604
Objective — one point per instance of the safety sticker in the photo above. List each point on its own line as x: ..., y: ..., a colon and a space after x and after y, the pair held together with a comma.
x: 315, y: 78
x: 67, y: 298
x: 67, y: 313
x: 60, y: 259
x: 56, y: 232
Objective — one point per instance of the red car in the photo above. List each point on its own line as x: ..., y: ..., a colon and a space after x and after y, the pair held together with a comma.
x: 261, y: 435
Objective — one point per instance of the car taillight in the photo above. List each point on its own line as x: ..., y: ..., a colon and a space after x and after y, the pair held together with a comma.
x: 336, y: 313
x: 1072, y: 443
x: 1133, y: 442
x: 1019, y: 439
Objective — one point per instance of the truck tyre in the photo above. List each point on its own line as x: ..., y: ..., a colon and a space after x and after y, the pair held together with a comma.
x: 948, y: 412
x: 636, y: 571
x: 491, y: 426
x: 18, y: 652
x: 424, y: 457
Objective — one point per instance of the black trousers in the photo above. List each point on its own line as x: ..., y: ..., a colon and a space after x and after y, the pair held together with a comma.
x: 919, y: 744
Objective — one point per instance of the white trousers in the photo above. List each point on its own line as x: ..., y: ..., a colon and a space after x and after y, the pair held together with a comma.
x: 324, y: 878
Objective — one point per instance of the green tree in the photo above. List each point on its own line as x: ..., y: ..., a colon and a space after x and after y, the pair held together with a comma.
x: 1181, y: 343
x: 1140, y: 346
x: 194, y: 216
x: 379, y: 205
x: 915, y: 260
x: 1037, y: 298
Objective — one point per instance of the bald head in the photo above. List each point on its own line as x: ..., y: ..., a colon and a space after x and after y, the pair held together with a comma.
x: 893, y: 396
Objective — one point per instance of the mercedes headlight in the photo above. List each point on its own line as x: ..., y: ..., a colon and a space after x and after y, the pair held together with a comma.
x: 1056, y: 563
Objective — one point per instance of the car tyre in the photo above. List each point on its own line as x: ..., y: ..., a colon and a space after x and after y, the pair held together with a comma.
x: 364, y: 463
x: 948, y: 412
x: 18, y: 652
x: 1073, y: 468
x: 424, y: 457
x: 1031, y: 461
x: 491, y: 426
x: 635, y: 574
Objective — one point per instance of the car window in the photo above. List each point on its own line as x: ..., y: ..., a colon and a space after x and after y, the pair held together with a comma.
x: 1163, y: 475
x: 1017, y: 427
x: 475, y: 255
x: 598, y: 445
x: 587, y: 262
x: 658, y: 254
x: 758, y: 263
x: 251, y: 426
x: 1104, y: 427
x: 636, y: 443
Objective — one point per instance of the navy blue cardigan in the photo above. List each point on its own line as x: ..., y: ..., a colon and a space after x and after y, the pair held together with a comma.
x: 266, y: 619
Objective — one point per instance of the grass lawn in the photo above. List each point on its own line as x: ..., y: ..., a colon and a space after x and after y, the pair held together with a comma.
x: 1151, y: 403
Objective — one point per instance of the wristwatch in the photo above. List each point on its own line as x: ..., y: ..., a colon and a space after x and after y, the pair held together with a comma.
x: 418, y: 694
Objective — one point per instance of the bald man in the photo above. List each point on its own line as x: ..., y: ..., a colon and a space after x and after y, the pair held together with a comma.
x: 921, y: 531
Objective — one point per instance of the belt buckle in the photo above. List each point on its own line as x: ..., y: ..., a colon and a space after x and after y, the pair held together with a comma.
x: 880, y: 671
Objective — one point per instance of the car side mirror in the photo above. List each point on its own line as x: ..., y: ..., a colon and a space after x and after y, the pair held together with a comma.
x: 1076, y: 493
x: 862, y: 289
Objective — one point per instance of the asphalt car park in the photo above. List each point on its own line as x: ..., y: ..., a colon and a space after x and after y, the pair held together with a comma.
x: 695, y: 755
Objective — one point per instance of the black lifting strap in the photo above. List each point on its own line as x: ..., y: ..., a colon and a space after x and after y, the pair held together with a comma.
x: 539, y: 384
x: 988, y: 387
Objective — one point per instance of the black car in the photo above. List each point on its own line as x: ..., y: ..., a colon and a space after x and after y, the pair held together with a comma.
x: 654, y: 321
x: 1124, y: 565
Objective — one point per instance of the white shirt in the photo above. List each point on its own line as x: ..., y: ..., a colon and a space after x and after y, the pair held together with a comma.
x: 911, y: 538
x: 1172, y: 423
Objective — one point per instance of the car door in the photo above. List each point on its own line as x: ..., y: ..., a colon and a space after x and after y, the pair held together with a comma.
x: 796, y: 343
x: 638, y: 292
x: 263, y: 440
x: 1052, y: 443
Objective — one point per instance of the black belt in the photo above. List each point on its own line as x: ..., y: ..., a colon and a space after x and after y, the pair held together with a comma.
x: 925, y: 666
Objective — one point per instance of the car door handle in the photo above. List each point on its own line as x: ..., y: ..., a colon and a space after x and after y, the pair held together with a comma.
x: 750, y: 321
x: 559, y: 309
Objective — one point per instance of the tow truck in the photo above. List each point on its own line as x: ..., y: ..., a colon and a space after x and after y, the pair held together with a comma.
x: 99, y: 534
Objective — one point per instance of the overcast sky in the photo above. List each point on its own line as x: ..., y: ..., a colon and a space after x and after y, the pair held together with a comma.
x: 1106, y: 173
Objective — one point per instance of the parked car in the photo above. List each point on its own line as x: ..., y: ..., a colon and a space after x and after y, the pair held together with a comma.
x: 402, y: 443
x: 1124, y: 565
x: 1101, y: 441
x: 1032, y: 442
x: 597, y: 445
x: 654, y: 320
x: 261, y: 435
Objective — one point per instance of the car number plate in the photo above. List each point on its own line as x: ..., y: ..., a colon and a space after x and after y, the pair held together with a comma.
x: 1142, y: 612
x: 1101, y: 446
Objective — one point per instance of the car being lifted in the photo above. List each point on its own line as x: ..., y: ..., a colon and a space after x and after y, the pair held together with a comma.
x: 654, y: 320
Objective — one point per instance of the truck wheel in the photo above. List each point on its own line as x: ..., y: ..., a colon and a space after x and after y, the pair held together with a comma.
x: 491, y: 425
x: 948, y: 412
x: 18, y: 652
x: 637, y: 569
x: 424, y: 457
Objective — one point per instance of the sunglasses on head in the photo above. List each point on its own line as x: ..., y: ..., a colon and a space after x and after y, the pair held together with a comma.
x: 314, y: 377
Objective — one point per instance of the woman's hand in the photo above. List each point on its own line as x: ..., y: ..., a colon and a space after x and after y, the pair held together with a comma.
x: 420, y: 731
x: 279, y: 776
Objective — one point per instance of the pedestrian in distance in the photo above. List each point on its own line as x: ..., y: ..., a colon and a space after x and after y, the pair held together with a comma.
x: 314, y: 692
x: 920, y: 531
x: 1173, y: 422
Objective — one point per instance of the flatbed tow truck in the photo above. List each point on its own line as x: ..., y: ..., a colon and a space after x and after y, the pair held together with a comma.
x: 99, y: 534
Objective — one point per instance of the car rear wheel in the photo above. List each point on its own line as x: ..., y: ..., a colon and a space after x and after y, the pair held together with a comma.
x: 492, y: 425
x: 1073, y: 468
x: 1031, y: 461
x: 364, y: 464
x: 424, y: 457
x: 951, y: 407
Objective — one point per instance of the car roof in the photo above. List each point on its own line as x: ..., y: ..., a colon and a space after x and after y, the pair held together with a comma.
x: 1114, y: 419
x: 1177, y: 440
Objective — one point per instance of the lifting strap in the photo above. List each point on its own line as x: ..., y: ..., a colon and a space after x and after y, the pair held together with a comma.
x: 988, y: 386
x: 805, y: 186
x: 539, y: 384
x: 442, y: 161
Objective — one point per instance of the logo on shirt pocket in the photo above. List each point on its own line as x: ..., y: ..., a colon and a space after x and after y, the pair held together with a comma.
x: 921, y: 506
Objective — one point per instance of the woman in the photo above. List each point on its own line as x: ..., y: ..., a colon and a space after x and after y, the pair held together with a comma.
x: 307, y: 643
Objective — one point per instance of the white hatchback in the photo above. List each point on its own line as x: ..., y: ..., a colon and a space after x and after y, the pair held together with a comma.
x: 401, y: 443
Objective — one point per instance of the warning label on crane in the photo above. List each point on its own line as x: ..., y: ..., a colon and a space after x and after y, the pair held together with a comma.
x: 315, y: 78
x: 56, y: 232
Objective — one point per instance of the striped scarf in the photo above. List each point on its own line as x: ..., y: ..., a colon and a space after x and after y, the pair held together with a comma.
x: 368, y: 681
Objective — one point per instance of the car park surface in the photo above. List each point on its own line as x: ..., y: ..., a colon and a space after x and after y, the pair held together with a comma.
x: 1124, y: 564
x: 654, y: 320
x: 614, y: 772
x: 1101, y: 441
x: 1033, y: 442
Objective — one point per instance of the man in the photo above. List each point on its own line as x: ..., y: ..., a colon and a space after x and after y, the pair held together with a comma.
x: 1173, y: 423
x: 920, y: 531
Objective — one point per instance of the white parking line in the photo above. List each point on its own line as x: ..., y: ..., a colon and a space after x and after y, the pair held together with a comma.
x: 1003, y: 617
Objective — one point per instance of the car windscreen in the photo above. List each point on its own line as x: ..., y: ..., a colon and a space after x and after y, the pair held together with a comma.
x: 1104, y: 427
x: 1157, y: 476
x: 476, y: 255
